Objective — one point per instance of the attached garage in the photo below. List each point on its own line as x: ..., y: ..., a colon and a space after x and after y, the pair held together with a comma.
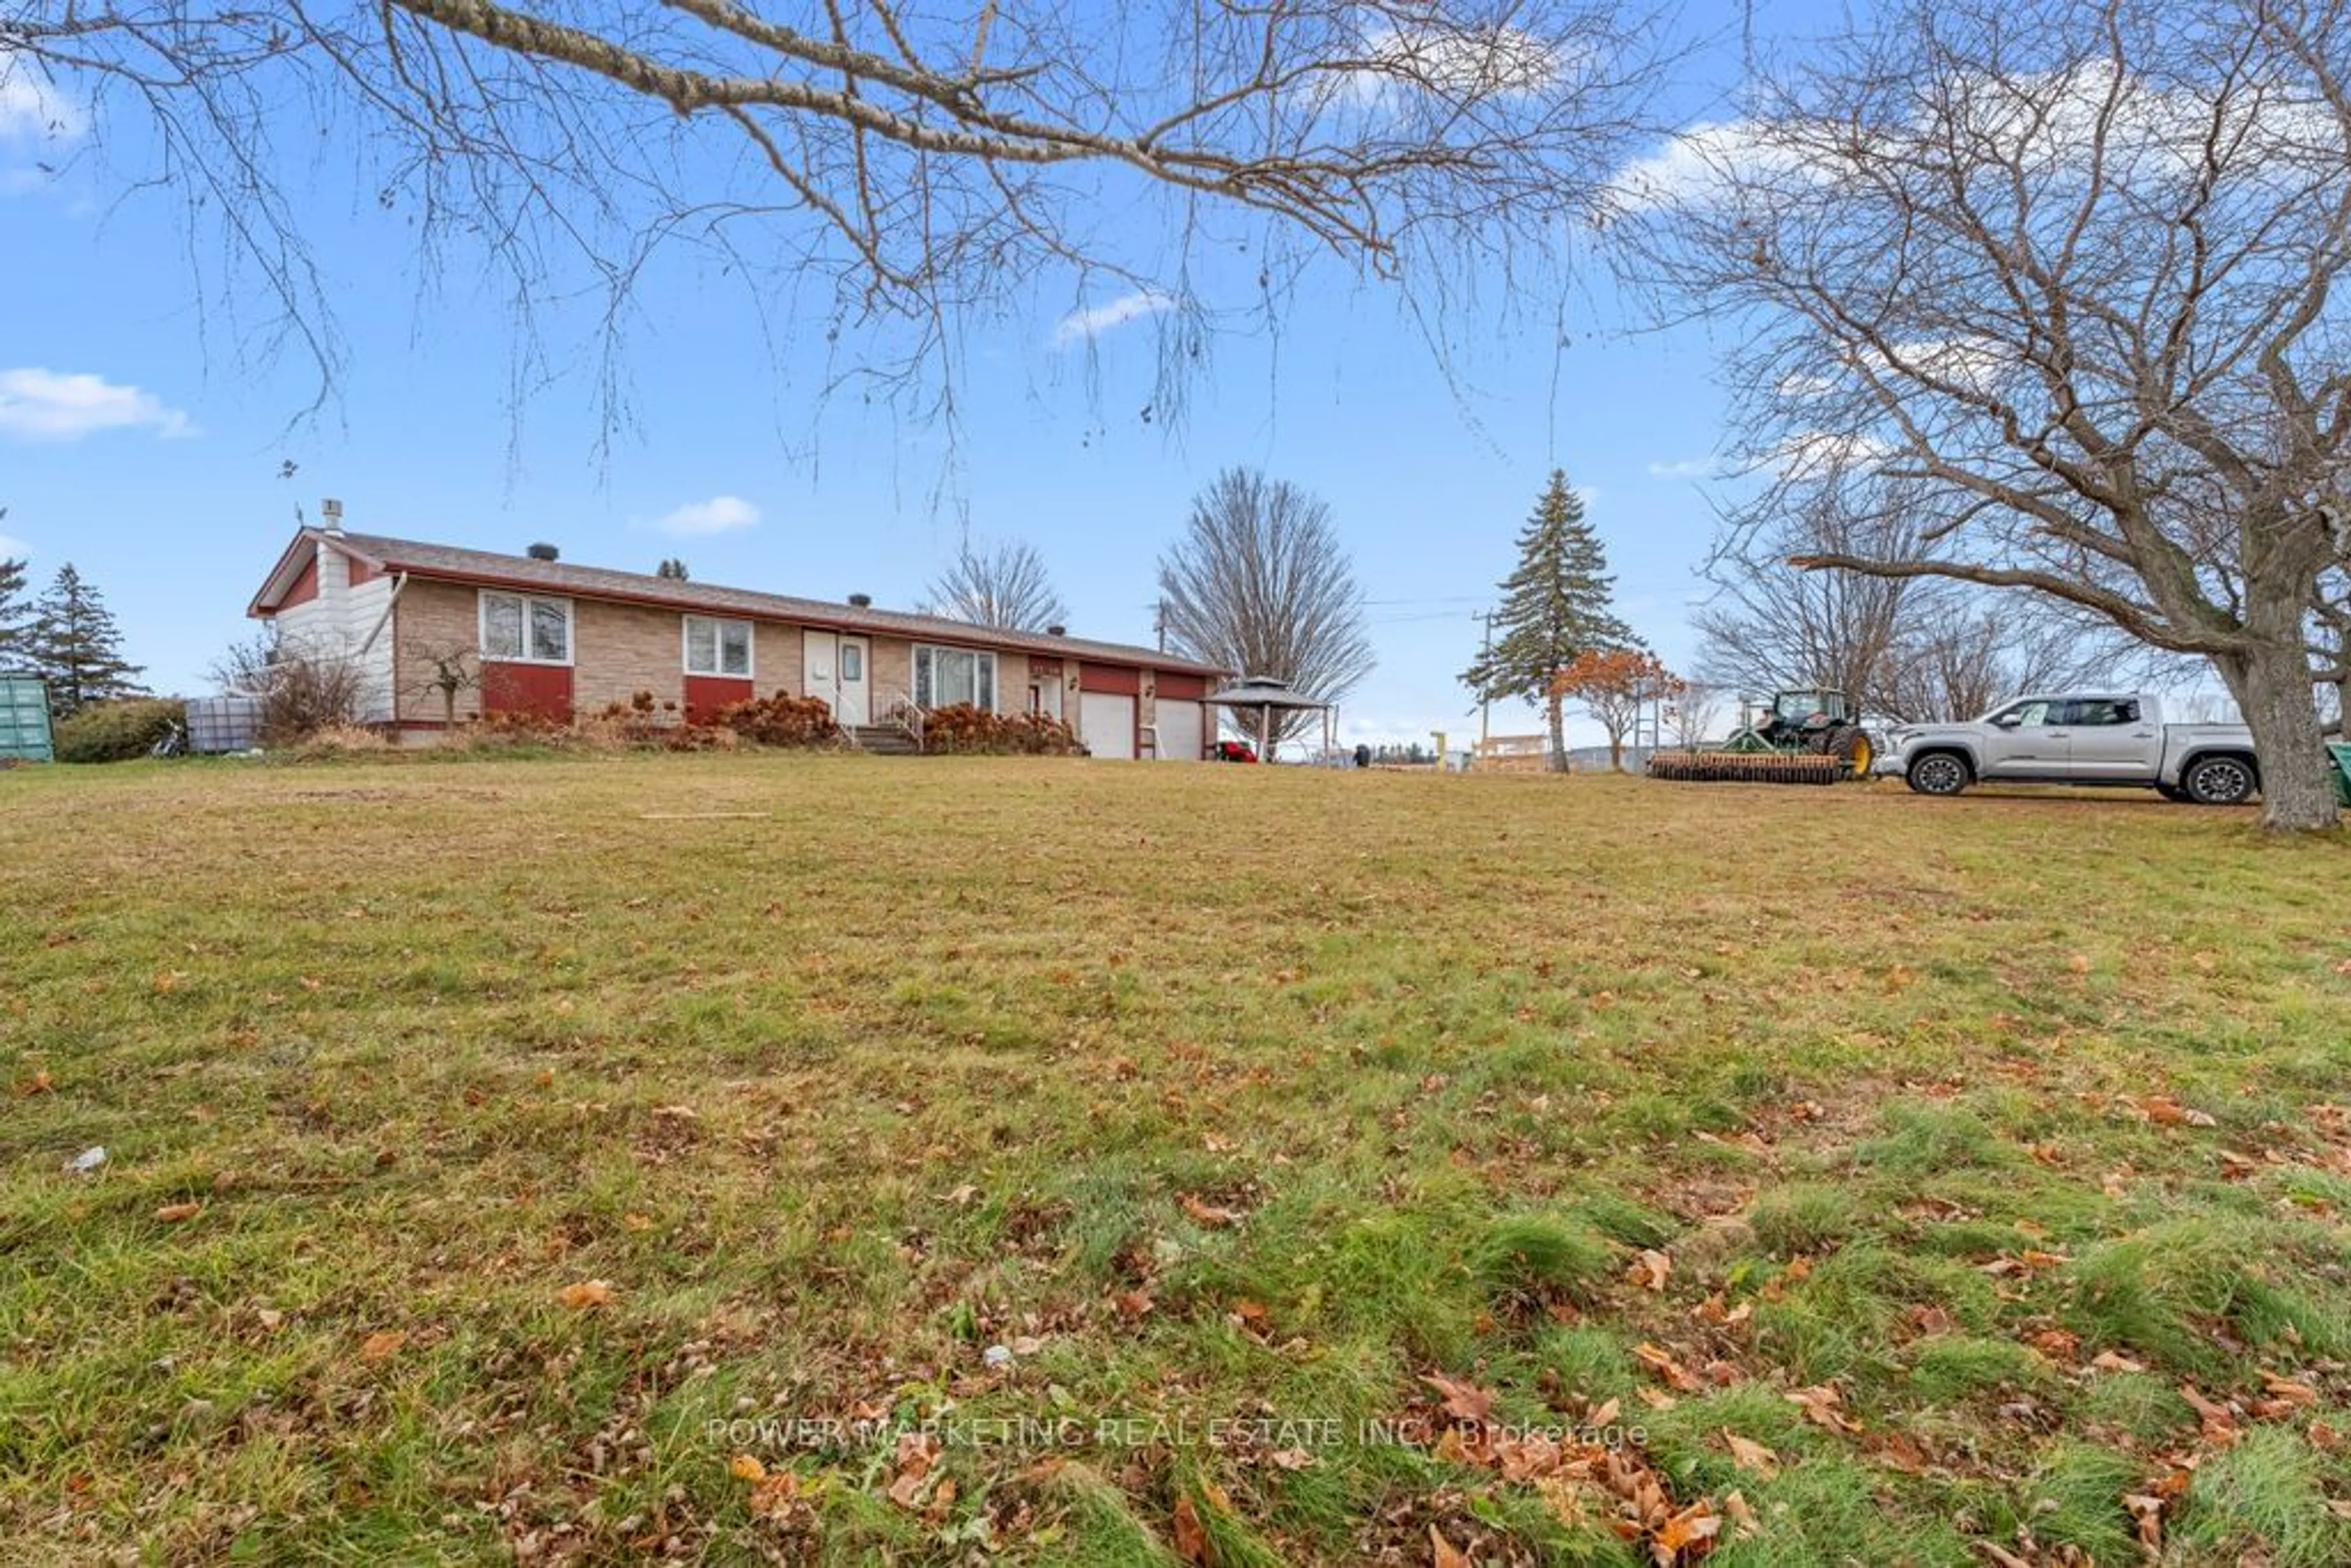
x: 1107, y: 698
x: 1106, y: 724
x: 1180, y: 727
x: 1180, y: 717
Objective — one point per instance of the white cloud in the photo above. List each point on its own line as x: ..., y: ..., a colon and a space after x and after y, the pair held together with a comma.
x: 31, y: 111
x: 1816, y: 452
x: 2048, y: 122
x: 1458, y: 63
x: 1079, y: 326
x: 51, y: 405
x: 14, y: 548
x: 1684, y: 468
x: 37, y: 124
x: 1701, y: 164
x: 718, y: 515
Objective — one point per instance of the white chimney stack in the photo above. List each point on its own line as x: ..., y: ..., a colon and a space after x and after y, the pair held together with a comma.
x: 331, y: 511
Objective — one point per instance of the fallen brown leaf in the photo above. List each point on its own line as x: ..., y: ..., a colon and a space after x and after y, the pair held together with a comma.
x: 1463, y: 1401
x: 1823, y: 1405
x: 173, y: 1213
x: 1694, y: 1527
x: 1209, y: 1214
x: 382, y: 1345
x: 1443, y: 1553
x: 1191, y: 1536
x: 587, y: 1293
x: 1659, y: 1361
x: 1750, y: 1454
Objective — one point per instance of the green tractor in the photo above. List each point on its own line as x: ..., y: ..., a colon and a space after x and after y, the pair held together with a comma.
x: 1807, y: 735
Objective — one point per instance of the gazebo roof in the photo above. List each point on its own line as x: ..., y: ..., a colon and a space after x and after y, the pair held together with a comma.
x: 1264, y: 691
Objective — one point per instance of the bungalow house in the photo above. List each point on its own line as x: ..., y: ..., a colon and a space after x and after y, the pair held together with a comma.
x: 558, y: 640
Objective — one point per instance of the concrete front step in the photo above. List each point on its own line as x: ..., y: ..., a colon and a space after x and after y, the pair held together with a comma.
x: 884, y: 740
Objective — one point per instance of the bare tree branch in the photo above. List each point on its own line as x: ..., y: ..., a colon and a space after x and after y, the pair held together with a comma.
x: 914, y: 164
x: 1260, y: 585
x: 1007, y: 586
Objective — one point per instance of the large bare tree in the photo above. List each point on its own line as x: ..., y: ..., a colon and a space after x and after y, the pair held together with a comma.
x: 868, y: 163
x: 1002, y: 585
x: 1908, y: 648
x: 1259, y: 584
x: 2074, y: 265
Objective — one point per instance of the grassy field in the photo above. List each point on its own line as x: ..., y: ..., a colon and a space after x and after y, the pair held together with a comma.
x: 798, y: 1159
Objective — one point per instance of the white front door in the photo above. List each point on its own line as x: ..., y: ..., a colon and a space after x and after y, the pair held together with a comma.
x: 833, y: 668
x: 856, y: 703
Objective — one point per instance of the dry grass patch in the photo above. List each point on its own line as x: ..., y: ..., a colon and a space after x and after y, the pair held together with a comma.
x: 1083, y: 1163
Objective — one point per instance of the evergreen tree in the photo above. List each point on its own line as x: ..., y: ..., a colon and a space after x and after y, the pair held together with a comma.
x: 75, y: 643
x: 1555, y: 607
x: 673, y: 568
x: 15, y: 615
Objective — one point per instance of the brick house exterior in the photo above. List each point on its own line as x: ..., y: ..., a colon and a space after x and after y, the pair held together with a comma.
x: 559, y: 640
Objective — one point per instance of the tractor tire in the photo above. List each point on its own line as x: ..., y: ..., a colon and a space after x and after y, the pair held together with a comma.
x: 2221, y: 781
x: 1938, y: 773
x: 1852, y: 747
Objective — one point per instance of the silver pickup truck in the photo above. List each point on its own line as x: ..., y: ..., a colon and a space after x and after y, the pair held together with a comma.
x: 2082, y: 737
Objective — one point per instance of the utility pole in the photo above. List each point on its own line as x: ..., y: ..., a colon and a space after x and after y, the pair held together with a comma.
x: 1485, y: 698
x: 1159, y: 621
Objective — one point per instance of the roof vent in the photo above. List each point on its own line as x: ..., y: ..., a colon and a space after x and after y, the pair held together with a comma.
x: 330, y: 513
x: 1057, y: 630
x: 543, y: 552
x: 861, y: 602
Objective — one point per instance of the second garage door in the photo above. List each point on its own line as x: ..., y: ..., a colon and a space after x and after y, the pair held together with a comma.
x: 1106, y: 724
x: 1179, y: 731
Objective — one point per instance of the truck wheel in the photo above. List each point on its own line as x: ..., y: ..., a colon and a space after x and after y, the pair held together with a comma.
x: 1938, y: 773
x: 2219, y: 781
x: 2174, y: 793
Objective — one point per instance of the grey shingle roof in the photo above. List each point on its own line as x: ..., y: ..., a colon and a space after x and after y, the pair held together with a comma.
x: 428, y: 560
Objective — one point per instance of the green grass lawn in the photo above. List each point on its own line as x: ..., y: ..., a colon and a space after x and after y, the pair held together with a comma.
x: 746, y: 1158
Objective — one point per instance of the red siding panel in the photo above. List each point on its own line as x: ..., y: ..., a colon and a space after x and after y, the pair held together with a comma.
x: 1182, y: 688
x: 705, y: 694
x: 306, y: 587
x: 360, y: 570
x: 1116, y: 678
x: 543, y: 691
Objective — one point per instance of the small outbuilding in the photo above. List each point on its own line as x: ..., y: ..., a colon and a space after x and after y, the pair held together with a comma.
x: 1264, y: 697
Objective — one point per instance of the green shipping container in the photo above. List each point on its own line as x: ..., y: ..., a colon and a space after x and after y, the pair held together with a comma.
x: 25, y: 719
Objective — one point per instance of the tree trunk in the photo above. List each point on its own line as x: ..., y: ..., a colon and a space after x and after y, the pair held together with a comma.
x: 1616, y: 754
x: 1558, y: 737
x: 2273, y: 688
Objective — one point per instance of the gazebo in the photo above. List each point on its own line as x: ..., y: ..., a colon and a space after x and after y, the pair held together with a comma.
x: 1265, y: 694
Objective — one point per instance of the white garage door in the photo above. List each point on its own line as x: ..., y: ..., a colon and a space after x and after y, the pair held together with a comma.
x: 1106, y: 724
x: 1179, y: 731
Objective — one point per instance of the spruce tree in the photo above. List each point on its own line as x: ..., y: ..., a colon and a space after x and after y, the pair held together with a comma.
x: 77, y: 646
x: 15, y: 616
x: 1555, y: 607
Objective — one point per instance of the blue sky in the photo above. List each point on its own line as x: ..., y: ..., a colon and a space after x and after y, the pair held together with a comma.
x: 143, y: 441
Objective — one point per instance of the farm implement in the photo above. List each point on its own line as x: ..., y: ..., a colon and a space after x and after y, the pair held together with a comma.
x: 1809, y: 737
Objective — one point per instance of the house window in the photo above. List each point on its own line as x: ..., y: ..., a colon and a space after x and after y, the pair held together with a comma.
x: 714, y: 647
x: 525, y: 629
x: 945, y: 676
